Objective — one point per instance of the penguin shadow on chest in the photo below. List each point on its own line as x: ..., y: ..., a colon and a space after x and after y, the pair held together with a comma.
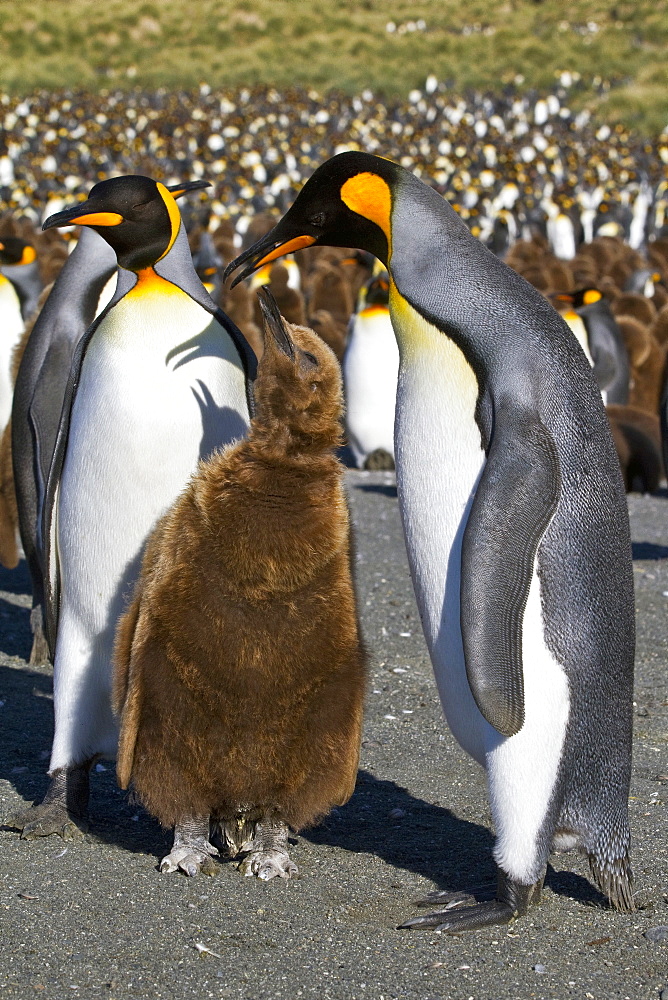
x: 239, y: 667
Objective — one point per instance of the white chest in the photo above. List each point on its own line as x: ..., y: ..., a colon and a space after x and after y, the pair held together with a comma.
x: 11, y: 328
x: 439, y: 460
x: 370, y: 369
x: 161, y: 386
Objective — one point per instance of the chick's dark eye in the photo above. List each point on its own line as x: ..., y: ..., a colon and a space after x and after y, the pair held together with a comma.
x: 311, y: 358
x: 318, y: 219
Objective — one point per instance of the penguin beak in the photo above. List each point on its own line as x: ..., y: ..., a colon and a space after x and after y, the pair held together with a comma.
x: 274, y: 322
x: 176, y: 190
x: 268, y: 248
x: 84, y: 214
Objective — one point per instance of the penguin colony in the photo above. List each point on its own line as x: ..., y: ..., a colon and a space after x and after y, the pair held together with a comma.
x: 509, y: 491
x: 506, y: 163
x: 256, y: 725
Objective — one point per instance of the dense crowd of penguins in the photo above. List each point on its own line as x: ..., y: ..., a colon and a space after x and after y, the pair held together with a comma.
x: 576, y: 207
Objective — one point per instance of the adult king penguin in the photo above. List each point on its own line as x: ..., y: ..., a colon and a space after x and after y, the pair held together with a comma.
x: 516, y: 527
x: 81, y: 291
x: 370, y: 365
x: 159, y: 381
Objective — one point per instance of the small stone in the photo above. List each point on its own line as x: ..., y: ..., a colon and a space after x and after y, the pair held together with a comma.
x: 540, y: 969
x: 397, y: 813
x: 657, y: 935
x: 642, y: 712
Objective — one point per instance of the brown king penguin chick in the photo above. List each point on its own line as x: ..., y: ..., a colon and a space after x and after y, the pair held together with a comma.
x: 334, y: 335
x: 637, y: 437
x: 647, y: 360
x: 239, y: 667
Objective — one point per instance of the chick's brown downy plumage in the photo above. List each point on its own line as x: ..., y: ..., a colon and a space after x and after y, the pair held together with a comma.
x: 240, y: 671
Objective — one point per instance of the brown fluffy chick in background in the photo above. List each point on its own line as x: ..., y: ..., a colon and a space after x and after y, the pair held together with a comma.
x: 240, y: 670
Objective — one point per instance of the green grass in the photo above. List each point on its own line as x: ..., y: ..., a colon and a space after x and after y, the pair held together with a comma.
x: 481, y: 44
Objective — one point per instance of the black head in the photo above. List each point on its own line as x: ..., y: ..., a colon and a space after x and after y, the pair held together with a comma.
x: 585, y: 297
x: 377, y: 290
x: 347, y: 203
x: 14, y: 250
x: 137, y: 216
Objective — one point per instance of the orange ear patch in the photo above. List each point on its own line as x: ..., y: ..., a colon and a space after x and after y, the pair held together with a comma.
x: 591, y: 296
x: 369, y: 195
x: 28, y: 255
x: 174, y: 216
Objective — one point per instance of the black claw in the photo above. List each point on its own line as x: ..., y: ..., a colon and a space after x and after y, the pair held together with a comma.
x: 463, y: 918
x: 472, y: 918
x: 434, y: 919
x: 448, y: 899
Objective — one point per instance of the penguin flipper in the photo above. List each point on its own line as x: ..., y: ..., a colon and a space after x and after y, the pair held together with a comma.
x: 515, y: 500
x: 49, y: 512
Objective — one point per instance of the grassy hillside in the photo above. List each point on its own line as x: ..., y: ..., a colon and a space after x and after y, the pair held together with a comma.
x: 618, y: 48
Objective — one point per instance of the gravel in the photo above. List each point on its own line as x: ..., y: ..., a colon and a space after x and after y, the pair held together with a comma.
x: 97, y: 919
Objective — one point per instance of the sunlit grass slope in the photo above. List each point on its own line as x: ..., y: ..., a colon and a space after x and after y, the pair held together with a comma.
x: 618, y: 48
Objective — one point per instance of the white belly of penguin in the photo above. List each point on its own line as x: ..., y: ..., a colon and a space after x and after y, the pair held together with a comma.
x: 11, y: 328
x: 370, y: 367
x: 142, y: 419
x: 439, y: 461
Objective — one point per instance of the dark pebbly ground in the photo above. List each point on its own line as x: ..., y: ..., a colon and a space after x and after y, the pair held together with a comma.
x: 97, y: 919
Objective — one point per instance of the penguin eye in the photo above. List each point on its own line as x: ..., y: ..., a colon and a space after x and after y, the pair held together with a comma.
x: 308, y: 361
x: 318, y: 219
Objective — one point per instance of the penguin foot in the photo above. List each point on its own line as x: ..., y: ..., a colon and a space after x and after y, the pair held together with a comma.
x: 64, y: 809
x: 268, y: 855
x: 190, y: 860
x: 191, y: 852
x: 467, y: 911
x: 379, y: 461
x: 266, y: 865
x: 43, y: 820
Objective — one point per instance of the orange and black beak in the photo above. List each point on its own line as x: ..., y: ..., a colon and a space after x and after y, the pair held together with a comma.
x: 86, y: 213
x: 277, y: 243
